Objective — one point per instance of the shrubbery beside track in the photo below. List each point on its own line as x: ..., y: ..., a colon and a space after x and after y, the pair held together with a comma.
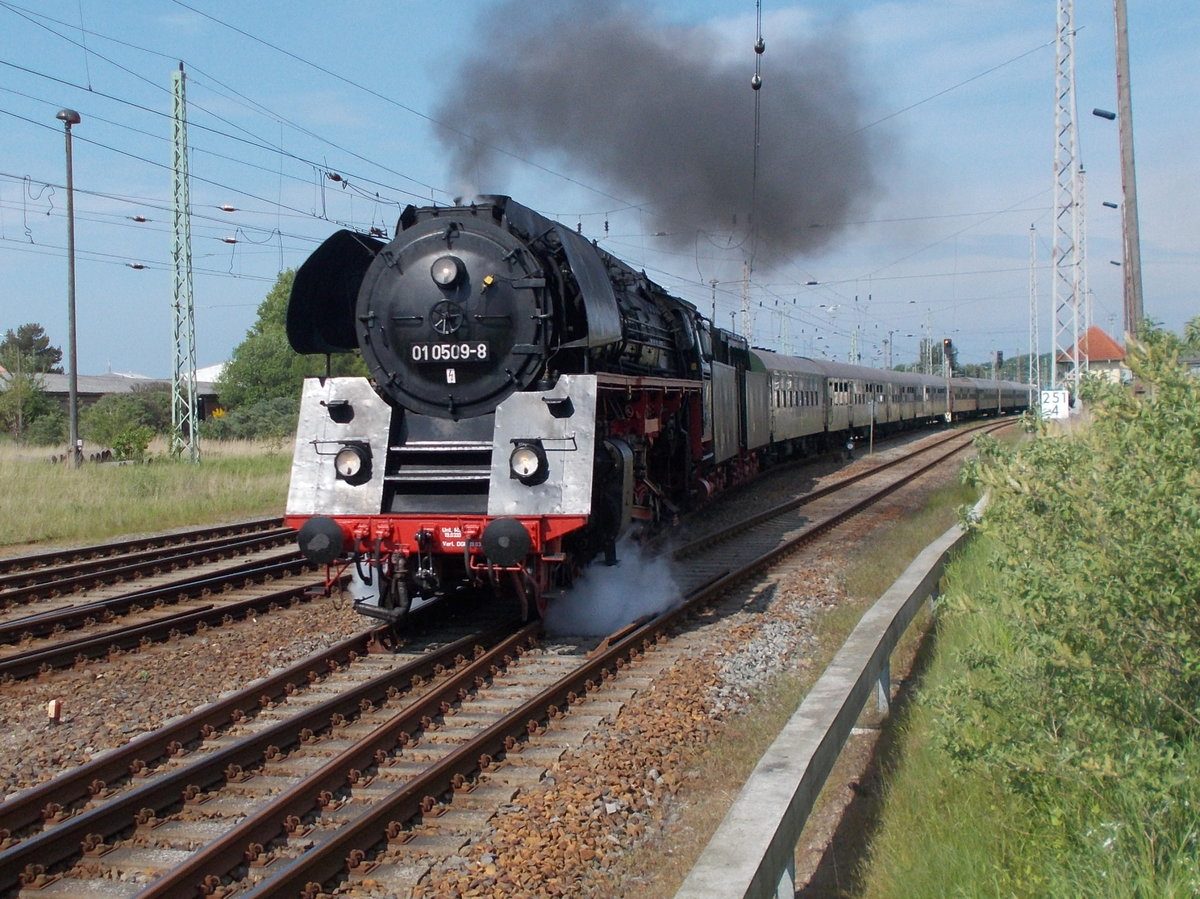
x: 1054, y: 750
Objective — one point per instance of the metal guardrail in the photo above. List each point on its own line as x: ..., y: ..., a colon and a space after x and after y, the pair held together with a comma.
x: 752, y: 854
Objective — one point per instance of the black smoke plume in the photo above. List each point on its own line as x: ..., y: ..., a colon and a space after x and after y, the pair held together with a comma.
x: 663, y: 114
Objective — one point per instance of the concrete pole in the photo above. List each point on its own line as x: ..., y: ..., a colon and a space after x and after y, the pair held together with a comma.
x: 70, y: 117
x: 1129, y: 209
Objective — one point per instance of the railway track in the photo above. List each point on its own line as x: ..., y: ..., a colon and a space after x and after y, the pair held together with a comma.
x: 60, y: 573
x: 189, y: 582
x: 154, y: 624
x: 123, y: 549
x: 348, y: 780
x: 784, y: 527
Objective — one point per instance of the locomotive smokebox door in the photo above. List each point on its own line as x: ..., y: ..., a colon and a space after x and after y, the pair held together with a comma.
x: 451, y: 316
x: 543, y: 450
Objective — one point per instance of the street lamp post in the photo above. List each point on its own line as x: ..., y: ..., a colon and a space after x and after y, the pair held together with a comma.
x: 70, y: 117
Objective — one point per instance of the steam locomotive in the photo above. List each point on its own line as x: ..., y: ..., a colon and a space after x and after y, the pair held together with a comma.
x: 531, y: 400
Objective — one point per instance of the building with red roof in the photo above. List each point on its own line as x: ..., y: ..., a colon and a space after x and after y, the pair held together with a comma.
x: 1103, y: 355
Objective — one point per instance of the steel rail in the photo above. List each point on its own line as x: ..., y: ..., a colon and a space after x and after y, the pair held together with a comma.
x: 53, y: 557
x: 270, y: 822
x: 306, y: 874
x: 705, y: 543
x: 60, y: 842
x: 329, y: 856
x: 99, y: 576
x: 100, y: 566
x: 45, y: 624
x: 718, y: 585
x: 60, y: 655
x: 28, y: 807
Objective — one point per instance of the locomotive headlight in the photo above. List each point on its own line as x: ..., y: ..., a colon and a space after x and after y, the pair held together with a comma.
x: 353, y: 463
x: 528, y: 462
x: 446, y: 271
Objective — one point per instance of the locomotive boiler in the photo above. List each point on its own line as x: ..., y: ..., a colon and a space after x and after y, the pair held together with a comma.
x: 530, y: 398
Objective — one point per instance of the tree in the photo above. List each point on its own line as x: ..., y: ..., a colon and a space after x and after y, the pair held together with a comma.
x: 264, y: 366
x: 155, y: 403
x: 1191, y: 332
x: 28, y: 349
x: 104, y: 421
x: 49, y: 428
x: 24, y: 354
x: 22, y: 401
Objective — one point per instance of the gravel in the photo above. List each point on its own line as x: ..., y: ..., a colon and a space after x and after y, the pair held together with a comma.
x: 628, y: 787
x: 571, y: 835
x: 106, y: 703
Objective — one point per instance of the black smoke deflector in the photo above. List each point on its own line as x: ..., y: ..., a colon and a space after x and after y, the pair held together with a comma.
x: 320, y: 313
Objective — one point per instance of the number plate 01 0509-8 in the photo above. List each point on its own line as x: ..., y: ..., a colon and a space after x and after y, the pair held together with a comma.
x: 464, y: 351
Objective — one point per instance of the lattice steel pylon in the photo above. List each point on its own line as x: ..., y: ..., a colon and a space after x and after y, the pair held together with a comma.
x: 1067, y: 292
x: 185, y: 432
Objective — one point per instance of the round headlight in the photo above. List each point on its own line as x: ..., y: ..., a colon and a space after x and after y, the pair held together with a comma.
x: 446, y: 270
x: 349, y: 462
x: 524, y: 462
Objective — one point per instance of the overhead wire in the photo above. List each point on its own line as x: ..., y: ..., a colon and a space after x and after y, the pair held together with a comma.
x: 252, y: 140
x: 449, y: 126
x: 278, y: 149
x: 155, y: 164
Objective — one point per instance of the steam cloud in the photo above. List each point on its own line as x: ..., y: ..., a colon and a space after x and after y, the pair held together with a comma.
x: 664, y: 114
x: 607, y: 598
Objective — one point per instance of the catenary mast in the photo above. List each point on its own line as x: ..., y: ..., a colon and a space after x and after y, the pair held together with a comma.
x: 1067, y: 252
x: 184, y: 430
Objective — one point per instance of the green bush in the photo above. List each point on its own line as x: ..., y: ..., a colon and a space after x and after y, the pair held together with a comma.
x: 273, y: 418
x: 154, y: 401
x: 1088, y: 708
x: 1053, y: 750
x: 131, y: 443
x: 109, y: 418
x: 48, y: 429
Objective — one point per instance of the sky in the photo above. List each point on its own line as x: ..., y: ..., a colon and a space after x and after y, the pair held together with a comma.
x: 882, y: 185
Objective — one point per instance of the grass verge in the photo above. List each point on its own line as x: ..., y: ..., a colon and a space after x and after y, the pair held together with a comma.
x: 53, y: 503
x: 952, y: 826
